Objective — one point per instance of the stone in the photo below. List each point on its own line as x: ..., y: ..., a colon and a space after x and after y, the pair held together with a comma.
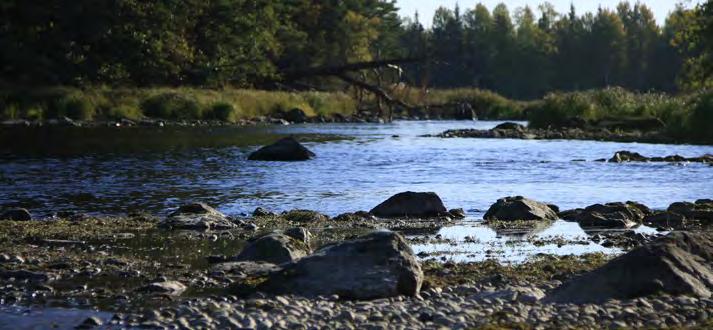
x: 510, y: 126
x: 296, y: 115
x: 411, y: 204
x: 678, y: 264
x: 301, y: 234
x: 377, y: 265
x: 358, y: 216
x: 519, y: 208
x: 197, y: 216
x: 627, y: 156
x: 16, y: 214
x: 304, y: 216
x: 701, y: 210
x: 457, y: 213
x: 245, y: 268
x: 274, y: 248
x: 286, y: 149
x: 170, y: 288
x: 262, y: 212
x: 612, y: 215
x: 666, y: 220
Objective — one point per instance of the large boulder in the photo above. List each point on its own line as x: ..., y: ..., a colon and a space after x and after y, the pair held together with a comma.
x: 510, y: 126
x: 701, y: 210
x: 16, y: 214
x: 612, y: 215
x: 519, y: 208
x: 378, y: 265
x: 627, y: 156
x: 285, y: 150
x: 276, y: 248
x: 411, y: 204
x: 197, y: 216
x: 678, y: 264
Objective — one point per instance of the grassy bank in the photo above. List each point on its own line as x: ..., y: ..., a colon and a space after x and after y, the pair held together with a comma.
x: 488, y: 105
x: 227, y: 105
x: 687, y: 117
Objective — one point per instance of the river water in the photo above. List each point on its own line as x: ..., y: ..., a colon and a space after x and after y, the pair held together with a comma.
x: 115, y: 171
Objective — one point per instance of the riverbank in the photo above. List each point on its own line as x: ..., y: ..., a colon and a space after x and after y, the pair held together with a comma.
x: 154, y: 271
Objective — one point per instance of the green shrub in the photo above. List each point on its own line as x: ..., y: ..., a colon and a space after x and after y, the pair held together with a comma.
x: 10, y: 111
x: 558, y: 110
x: 222, y: 111
x: 700, y: 121
x: 171, y: 106
x: 76, y: 107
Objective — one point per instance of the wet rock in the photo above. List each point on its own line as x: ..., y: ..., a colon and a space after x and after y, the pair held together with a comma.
x: 378, y: 265
x: 457, y: 213
x: 170, y: 288
x: 22, y: 275
x: 90, y: 323
x: 611, y: 215
x: 666, y: 220
x: 261, y: 212
x: 678, y: 264
x: 197, y: 216
x: 519, y: 208
x: 287, y: 149
x: 304, y: 216
x: 301, y: 234
x: 701, y: 210
x: 246, y: 268
x: 16, y: 214
x: 274, y: 248
x: 627, y: 156
x: 570, y: 215
x: 510, y: 126
x: 358, y: 216
x: 411, y: 204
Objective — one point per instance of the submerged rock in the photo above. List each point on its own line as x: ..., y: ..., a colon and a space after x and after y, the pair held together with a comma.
x: 304, y: 216
x: 276, y: 248
x: 197, y: 216
x: 378, y: 265
x: 17, y: 214
x: 286, y: 149
x: 678, y: 264
x: 627, y: 156
x: 411, y: 204
x: 520, y: 208
x: 610, y: 215
x: 171, y: 288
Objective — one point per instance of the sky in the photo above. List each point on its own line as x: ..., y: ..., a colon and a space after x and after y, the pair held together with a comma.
x: 426, y: 8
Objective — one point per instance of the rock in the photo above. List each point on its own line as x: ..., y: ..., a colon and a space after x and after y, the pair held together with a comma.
x: 678, y: 264
x: 411, y: 204
x: 261, y: 212
x: 245, y: 268
x: 378, y: 265
x: 519, y: 208
x: 627, y: 156
x: 304, y: 216
x: 701, y: 210
x: 171, y: 288
x: 287, y: 149
x: 666, y: 220
x: 510, y: 126
x: 301, y: 234
x: 611, y: 215
x: 16, y: 214
x: 90, y: 323
x: 457, y: 213
x: 358, y: 216
x: 570, y: 215
x: 197, y: 216
x: 296, y: 115
x: 274, y: 248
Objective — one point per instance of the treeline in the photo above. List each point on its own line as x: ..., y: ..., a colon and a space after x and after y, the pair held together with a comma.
x: 524, y: 55
x: 255, y: 43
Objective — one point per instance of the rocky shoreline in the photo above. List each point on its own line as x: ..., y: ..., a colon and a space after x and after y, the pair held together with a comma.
x: 517, y: 131
x: 198, y: 268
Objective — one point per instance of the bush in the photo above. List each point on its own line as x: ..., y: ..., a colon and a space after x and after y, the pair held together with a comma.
x: 222, y: 111
x: 171, y: 106
x: 700, y: 121
x: 558, y: 110
x: 75, y: 107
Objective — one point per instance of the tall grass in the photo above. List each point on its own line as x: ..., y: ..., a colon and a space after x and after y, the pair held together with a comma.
x: 684, y: 116
x: 228, y: 105
x: 487, y: 104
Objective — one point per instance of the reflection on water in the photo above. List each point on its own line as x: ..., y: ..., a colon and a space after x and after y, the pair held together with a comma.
x: 477, y: 242
x: 149, y: 171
